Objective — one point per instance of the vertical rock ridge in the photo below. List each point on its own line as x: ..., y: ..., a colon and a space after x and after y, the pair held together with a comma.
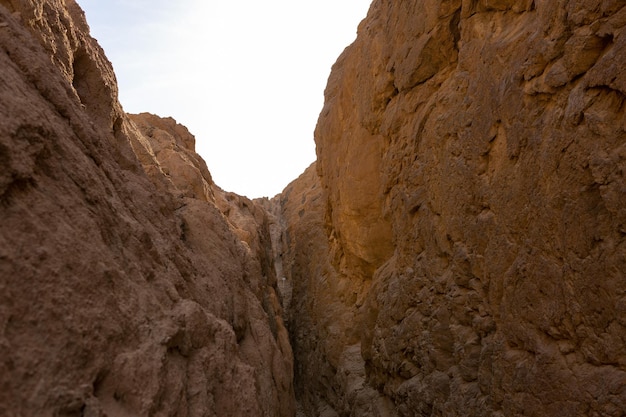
x: 130, y: 284
x: 470, y: 156
x: 323, y: 314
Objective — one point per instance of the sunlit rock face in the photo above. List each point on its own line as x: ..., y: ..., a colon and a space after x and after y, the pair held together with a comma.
x: 323, y: 309
x: 130, y: 285
x: 471, y: 159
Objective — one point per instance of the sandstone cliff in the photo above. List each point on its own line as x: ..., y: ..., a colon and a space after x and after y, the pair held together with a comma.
x: 323, y: 311
x: 471, y: 156
x: 129, y: 283
x: 459, y: 247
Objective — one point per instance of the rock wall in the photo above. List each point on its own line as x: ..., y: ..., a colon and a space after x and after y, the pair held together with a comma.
x: 459, y: 247
x: 471, y: 157
x: 129, y: 283
x: 323, y: 312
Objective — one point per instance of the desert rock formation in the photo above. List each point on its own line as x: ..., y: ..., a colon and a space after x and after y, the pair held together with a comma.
x: 471, y: 156
x: 458, y: 248
x: 127, y: 283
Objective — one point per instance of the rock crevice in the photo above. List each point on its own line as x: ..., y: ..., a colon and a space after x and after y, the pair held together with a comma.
x: 458, y: 247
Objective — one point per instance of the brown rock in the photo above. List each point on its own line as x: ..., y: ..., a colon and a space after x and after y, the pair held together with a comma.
x: 322, y: 307
x: 121, y: 293
x: 472, y: 161
x: 167, y: 152
x: 459, y: 248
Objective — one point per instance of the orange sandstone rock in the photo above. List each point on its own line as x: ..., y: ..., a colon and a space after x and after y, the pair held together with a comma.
x: 472, y: 158
x: 459, y: 248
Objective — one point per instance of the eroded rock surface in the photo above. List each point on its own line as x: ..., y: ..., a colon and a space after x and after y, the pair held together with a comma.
x: 324, y: 308
x: 125, y: 286
x: 472, y: 158
x: 459, y: 248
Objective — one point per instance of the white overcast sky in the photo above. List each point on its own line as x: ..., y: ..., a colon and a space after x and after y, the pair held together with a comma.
x: 246, y: 77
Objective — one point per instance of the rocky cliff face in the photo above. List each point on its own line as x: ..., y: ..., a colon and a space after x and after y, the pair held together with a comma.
x: 472, y: 158
x: 129, y: 283
x: 459, y: 247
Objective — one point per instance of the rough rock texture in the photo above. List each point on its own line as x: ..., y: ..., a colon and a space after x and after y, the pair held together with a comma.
x: 472, y: 158
x: 166, y: 151
x: 324, y: 308
x: 458, y: 249
x: 125, y: 289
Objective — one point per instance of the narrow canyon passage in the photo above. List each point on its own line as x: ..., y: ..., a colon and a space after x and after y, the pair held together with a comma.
x: 457, y: 249
x: 322, y: 317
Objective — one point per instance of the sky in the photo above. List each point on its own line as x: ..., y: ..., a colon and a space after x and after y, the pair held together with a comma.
x: 245, y: 77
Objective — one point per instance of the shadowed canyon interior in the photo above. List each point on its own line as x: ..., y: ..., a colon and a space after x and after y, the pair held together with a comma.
x: 457, y: 249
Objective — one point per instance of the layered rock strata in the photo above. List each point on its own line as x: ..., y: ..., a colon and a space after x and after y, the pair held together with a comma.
x: 129, y: 283
x: 471, y: 157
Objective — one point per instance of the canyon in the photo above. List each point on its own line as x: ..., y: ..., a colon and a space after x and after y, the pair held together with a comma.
x: 457, y: 249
